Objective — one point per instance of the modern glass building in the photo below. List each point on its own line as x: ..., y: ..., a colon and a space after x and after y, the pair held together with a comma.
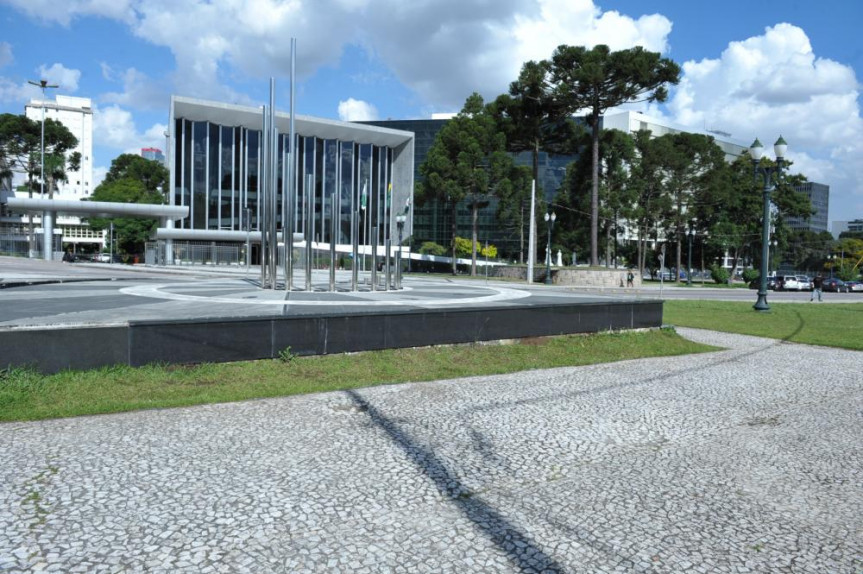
x: 819, y: 197
x: 346, y: 174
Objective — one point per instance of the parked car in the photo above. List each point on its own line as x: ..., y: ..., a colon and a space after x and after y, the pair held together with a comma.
x: 835, y: 285
x: 806, y: 283
x: 756, y: 283
x: 854, y: 286
x: 789, y: 283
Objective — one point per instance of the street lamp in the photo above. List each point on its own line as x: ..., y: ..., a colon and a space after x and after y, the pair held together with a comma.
x: 689, y: 259
x: 400, y: 222
x: 771, y: 175
x: 549, y: 219
x: 47, y: 224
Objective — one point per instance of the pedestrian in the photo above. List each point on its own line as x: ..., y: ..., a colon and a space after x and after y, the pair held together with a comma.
x: 629, y: 278
x: 817, y: 284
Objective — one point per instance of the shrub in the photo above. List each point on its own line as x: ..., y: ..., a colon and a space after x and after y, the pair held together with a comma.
x: 432, y: 248
x: 750, y: 275
x: 719, y: 274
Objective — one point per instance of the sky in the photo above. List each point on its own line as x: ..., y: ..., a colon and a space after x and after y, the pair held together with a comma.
x: 753, y: 68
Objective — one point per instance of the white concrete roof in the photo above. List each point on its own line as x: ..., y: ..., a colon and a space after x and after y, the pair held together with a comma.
x: 249, y: 117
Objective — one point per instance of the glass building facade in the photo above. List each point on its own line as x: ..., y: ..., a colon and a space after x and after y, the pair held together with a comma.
x: 819, y: 197
x: 346, y: 174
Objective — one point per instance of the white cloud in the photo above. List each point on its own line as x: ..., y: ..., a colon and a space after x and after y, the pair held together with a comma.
x: 352, y: 110
x: 774, y: 84
x: 66, y: 78
x: 139, y: 90
x: 441, y: 49
x: 63, y: 12
x: 115, y: 128
x: 6, y: 56
x: 99, y: 173
x: 12, y: 92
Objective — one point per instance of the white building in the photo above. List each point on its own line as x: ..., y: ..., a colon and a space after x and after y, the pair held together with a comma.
x: 77, y: 115
x: 631, y: 122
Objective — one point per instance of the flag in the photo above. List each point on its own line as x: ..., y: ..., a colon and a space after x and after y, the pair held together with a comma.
x: 363, y: 198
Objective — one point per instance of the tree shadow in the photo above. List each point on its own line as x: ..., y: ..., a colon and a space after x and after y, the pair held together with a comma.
x: 519, y: 548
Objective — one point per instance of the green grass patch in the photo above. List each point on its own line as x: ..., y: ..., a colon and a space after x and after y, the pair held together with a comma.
x: 26, y: 395
x: 828, y: 324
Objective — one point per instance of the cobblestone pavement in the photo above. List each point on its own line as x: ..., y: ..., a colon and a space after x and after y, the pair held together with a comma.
x: 744, y: 460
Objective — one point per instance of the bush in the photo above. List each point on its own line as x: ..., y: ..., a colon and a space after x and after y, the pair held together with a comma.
x: 750, y: 275
x: 719, y: 274
x: 432, y: 248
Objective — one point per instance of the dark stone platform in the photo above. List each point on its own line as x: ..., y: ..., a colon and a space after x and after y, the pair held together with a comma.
x: 178, y: 320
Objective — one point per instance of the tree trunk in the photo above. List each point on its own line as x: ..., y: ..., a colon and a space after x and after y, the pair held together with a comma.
x: 608, y: 246
x: 594, y: 192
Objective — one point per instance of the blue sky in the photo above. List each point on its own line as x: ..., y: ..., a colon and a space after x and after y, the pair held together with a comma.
x: 751, y: 68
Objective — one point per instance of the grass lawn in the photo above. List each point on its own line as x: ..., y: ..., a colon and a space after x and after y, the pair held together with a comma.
x: 26, y: 395
x: 829, y: 324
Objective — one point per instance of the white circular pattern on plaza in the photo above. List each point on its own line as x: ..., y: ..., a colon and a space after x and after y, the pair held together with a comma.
x: 426, y: 295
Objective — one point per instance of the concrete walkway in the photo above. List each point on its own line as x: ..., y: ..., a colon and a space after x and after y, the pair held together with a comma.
x: 743, y: 460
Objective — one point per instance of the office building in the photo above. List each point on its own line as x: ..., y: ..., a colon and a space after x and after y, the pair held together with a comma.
x: 215, y: 160
x: 77, y: 115
x: 153, y: 154
x: 819, y: 197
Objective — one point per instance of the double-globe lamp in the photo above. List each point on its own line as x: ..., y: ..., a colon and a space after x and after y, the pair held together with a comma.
x: 771, y: 176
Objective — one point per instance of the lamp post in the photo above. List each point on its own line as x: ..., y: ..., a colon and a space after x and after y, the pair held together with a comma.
x: 400, y: 222
x: 689, y: 258
x: 47, y: 223
x: 770, y: 175
x: 549, y: 219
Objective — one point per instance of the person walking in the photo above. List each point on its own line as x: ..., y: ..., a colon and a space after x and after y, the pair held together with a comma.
x: 629, y: 277
x: 817, y: 284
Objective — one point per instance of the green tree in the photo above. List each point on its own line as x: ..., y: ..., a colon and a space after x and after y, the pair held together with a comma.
x: 533, y: 120
x: 513, y: 207
x: 694, y: 165
x: 131, y: 179
x: 732, y: 214
x: 647, y: 183
x: 598, y: 79
x: 617, y: 153
x: 152, y: 174
x: 465, y: 164
x: 21, y: 152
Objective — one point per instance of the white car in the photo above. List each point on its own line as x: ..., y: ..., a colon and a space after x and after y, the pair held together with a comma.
x: 791, y: 283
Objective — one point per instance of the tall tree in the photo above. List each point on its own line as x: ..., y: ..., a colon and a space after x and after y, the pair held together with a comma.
x: 598, y: 79
x: 466, y: 163
x: 617, y: 154
x: 131, y: 179
x: 534, y: 120
x: 152, y: 174
x: 693, y: 165
x: 21, y: 152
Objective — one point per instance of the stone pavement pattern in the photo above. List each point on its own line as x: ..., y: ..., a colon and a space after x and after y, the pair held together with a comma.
x: 744, y: 460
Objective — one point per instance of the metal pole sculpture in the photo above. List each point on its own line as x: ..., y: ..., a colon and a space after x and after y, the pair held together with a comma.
x: 289, y: 189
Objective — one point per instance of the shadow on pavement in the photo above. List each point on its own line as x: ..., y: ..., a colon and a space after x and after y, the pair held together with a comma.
x: 523, y: 552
